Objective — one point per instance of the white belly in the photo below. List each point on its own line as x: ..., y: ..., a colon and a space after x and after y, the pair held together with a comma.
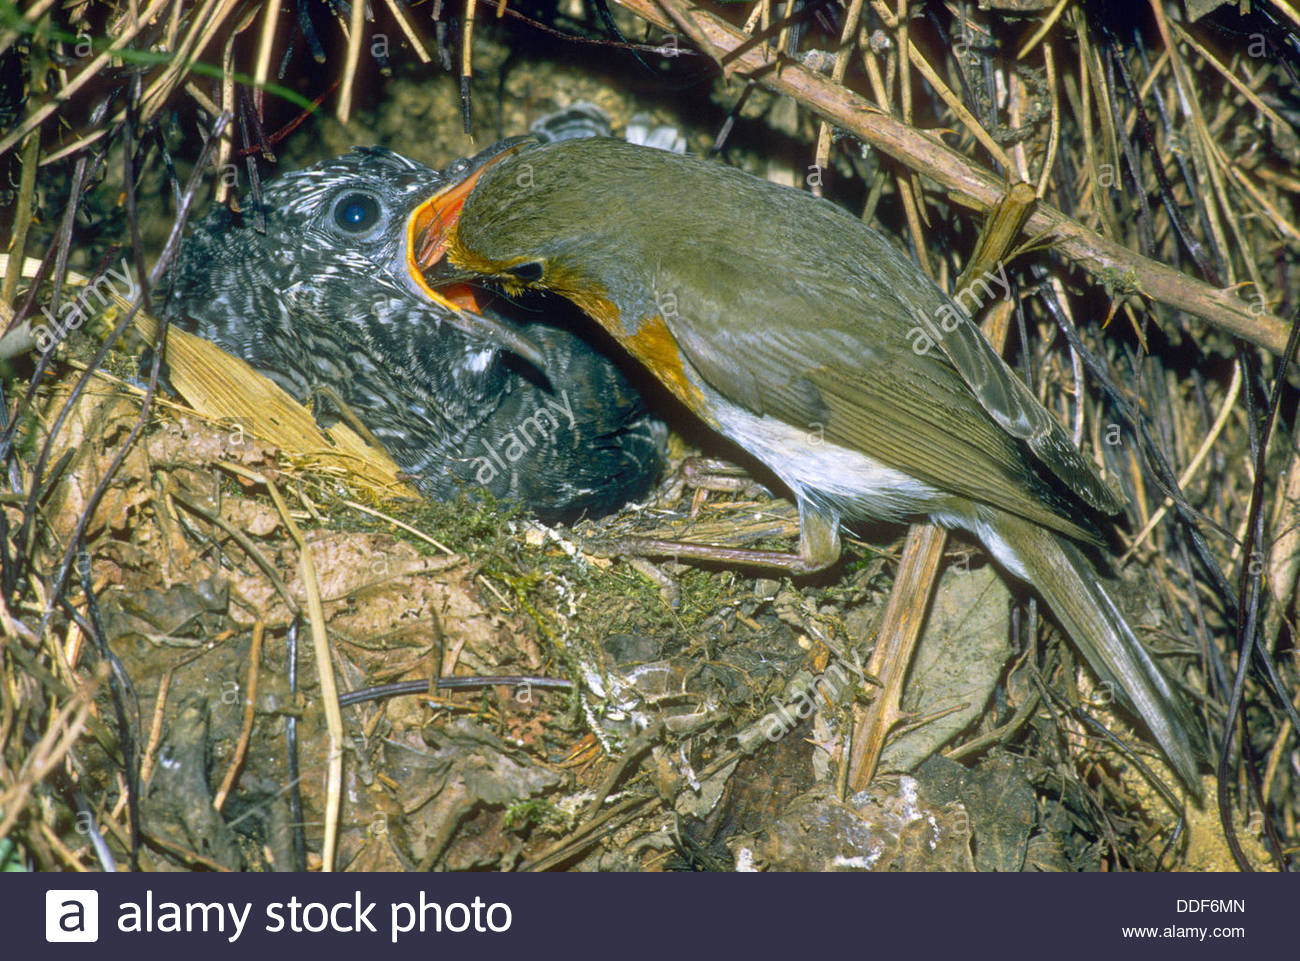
x: 847, y: 482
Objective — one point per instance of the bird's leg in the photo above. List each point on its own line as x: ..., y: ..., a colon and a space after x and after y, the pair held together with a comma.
x: 819, y: 547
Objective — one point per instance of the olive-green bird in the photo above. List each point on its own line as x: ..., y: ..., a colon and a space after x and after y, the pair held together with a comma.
x: 807, y: 338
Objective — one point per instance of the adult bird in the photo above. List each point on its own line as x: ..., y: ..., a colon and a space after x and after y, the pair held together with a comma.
x: 794, y: 329
x: 322, y: 299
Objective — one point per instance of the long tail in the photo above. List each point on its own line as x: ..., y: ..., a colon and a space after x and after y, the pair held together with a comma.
x: 1066, y: 581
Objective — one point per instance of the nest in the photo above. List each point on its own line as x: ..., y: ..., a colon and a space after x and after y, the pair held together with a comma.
x: 200, y: 575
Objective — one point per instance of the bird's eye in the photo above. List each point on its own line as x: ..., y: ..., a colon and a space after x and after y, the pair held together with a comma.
x: 529, y: 272
x: 356, y: 213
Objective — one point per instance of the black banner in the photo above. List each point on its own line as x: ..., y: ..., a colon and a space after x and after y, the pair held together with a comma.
x: 650, y: 916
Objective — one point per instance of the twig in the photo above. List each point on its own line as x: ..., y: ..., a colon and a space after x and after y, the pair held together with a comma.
x: 356, y: 23
x: 22, y: 218
x: 900, y: 629
x: 1226, y: 410
x: 411, y: 36
x: 466, y: 65
x: 437, y: 545
x: 265, y: 40
x: 155, y: 730
x: 325, y: 672
x: 1044, y: 28
x: 843, y: 56
x: 250, y: 710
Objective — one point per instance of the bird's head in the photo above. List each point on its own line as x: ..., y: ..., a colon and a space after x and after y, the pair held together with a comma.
x: 511, y: 214
x: 350, y: 217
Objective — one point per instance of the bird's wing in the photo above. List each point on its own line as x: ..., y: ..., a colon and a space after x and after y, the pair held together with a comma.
x: 843, y: 374
x: 1009, y: 402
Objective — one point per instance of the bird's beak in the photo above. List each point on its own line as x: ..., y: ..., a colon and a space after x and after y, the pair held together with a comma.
x: 429, y: 230
x: 476, y: 325
x: 426, y: 239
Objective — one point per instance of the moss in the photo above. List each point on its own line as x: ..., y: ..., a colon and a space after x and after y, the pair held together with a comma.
x: 532, y: 812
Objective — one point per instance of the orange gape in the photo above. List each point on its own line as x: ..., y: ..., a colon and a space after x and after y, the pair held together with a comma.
x: 464, y: 297
x: 433, y: 223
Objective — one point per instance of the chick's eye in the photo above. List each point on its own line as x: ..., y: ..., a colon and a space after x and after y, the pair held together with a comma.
x: 356, y: 213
